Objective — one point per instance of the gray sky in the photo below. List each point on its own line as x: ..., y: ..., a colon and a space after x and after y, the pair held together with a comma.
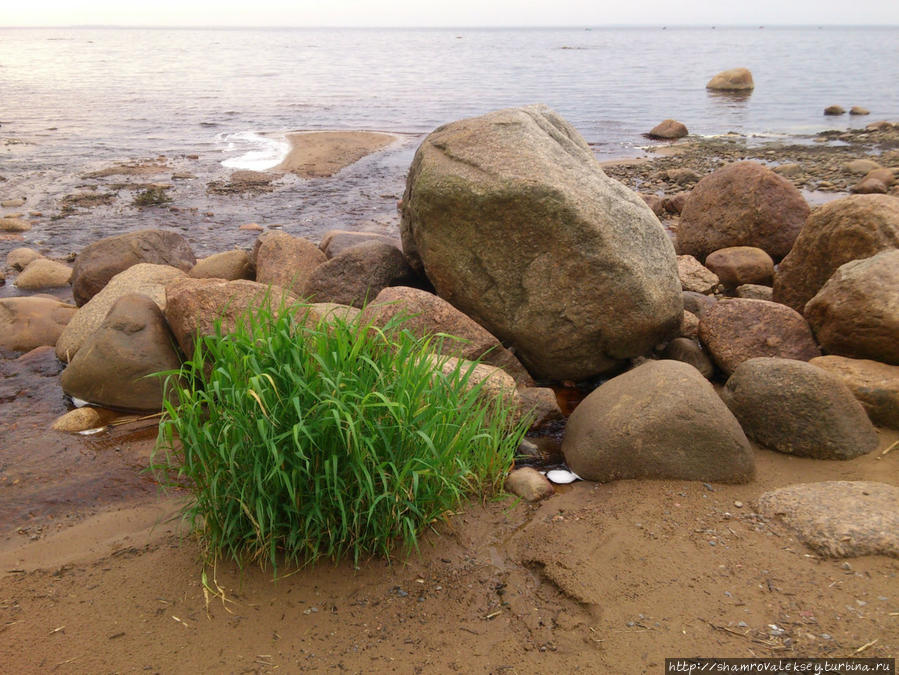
x: 447, y: 12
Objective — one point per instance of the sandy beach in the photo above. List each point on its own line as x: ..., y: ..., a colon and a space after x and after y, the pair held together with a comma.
x: 319, y: 154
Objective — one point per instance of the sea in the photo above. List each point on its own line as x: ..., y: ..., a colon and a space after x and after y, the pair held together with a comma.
x: 211, y: 101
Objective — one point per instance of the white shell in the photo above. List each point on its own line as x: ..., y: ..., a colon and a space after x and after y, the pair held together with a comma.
x: 562, y: 476
x: 79, y: 403
x: 91, y: 432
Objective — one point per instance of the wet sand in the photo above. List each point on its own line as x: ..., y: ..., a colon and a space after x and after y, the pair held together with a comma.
x: 319, y: 154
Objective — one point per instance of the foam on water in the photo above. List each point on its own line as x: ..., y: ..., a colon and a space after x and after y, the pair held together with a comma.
x: 257, y: 152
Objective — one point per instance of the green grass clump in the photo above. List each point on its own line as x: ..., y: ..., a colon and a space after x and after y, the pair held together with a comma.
x: 331, y: 439
x: 153, y: 196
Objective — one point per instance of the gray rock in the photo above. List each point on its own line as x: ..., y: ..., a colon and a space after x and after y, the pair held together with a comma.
x: 698, y: 303
x: 113, y: 368
x: 336, y: 242
x: 839, y: 519
x: 659, y: 420
x: 541, y: 402
x: 99, y: 262
x: 755, y: 292
x: 799, y: 409
x: 515, y: 224
x: 691, y: 352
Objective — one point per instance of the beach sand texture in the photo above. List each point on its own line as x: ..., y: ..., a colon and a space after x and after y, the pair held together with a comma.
x: 319, y: 154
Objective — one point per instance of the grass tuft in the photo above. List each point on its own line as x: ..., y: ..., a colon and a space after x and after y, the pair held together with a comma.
x: 337, y: 439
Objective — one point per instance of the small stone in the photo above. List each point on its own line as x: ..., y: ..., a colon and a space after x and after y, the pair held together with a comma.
x: 253, y: 227
x: 14, y: 225
x: 738, y: 504
x: 12, y: 203
x: 529, y: 484
x: 668, y: 129
x: 77, y: 420
x: 858, y: 110
x: 834, y: 110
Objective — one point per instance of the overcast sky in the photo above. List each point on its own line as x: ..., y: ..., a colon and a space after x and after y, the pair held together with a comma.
x: 446, y: 12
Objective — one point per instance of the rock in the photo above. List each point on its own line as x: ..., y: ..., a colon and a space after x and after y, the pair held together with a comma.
x: 697, y: 303
x: 869, y: 186
x: 882, y: 125
x: 682, y: 175
x: 839, y: 519
x: 541, y: 402
x: 856, y: 313
x: 229, y: 265
x: 755, y: 292
x: 787, y: 169
x: 862, y: 166
x: 799, y: 409
x: 694, y: 276
x: 329, y: 311
x: 659, y: 420
x: 874, y: 384
x: 668, y: 129
x: 655, y: 203
x: 738, y: 265
x: 842, y: 230
x: 427, y: 314
x: 741, y: 204
x: 358, y: 274
x: 336, y: 242
x: 14, y: 225
x: 689, y: 351
x: 143, y: 278
x: 496, y: 384
x: 529, y: 484
x: 689, y: 325
x: 193, y: 306
x: 26, y: 323
x: 516, y: 225
x: 41, y: 361
x: 12, y: 203
x: 883, y: 174
x: 735, y: 330
x: 735, y: 79
x: 675, y: 203
x: 112, y: 367
x: 43, y: 273
x: 19, y: 258
x: 286, y: 261
x: 99, y: 262
x: 80, y: 419
x: 858, y: 110
x: 834, y: 110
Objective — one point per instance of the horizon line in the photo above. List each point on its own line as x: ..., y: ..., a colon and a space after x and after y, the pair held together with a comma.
x: 455, y: 27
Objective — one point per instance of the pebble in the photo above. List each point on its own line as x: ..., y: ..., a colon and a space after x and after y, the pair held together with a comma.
x: 738, y: 504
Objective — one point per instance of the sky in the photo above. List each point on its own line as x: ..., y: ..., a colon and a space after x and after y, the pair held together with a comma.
x: 447, y: 12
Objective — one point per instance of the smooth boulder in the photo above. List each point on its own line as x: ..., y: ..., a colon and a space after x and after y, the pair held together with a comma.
x: 874, y: 384
x: 856, y: 313
x: 228, y: 265
x: 741, y: 204
x: 798, y: 409
x: 286, y: 261
x: 659, y: 420
x: 668, y: 129
x: 26, y: 323
x: 514, y: 222
x: 734, y: 79
x: 738, y: 265
x: 115, y: 366
x: 99, y: 262
x: 846, y: 229
x: 44, y: 273
x: 336, y: 242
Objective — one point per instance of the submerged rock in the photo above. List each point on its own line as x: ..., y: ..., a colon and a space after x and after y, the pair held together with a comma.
x: 669, y: 129
x: 735, y: 79
x: 44, y: 273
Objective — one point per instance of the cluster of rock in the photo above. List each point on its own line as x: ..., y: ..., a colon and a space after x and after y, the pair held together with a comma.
x: 514, y: 239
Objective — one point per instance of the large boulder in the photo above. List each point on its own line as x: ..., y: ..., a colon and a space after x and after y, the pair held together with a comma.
x: 659, y: 420
x: 143, y: 278
x: 356, y: 275
x: 668, y: 129
x: 735, y: 79
x: 845, y: 229
x: 515, y: 223
x: 114, y: 367
x: 737, y: 329
x: 286, y: 261
x: 874, y: 384
x: 26, y: 323
x: 799, y: 409
x: 99, y: 262
x: 741, y: 204
x: 425, y: 314
x: 839, y: 519
x: 856, y: 313
x: 194, y: 306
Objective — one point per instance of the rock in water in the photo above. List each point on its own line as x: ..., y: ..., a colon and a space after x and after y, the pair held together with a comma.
x: 735, y: 79
x: 26, y: 323
x: 668, y: 129
x: 799, y: 409
x: 659, y: 420
x: 515, y: 223
x: 112, y: 367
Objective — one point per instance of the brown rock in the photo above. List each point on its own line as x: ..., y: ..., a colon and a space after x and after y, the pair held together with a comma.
x: 541, y: 402
x: 682, y: 175
x: 688, y: 350
x: 834, y: 110
x: 99, y: 262
x: 741, y: 204
x: 735, y: 79
x: 26, y: 323
x: 43, y: 273
x: 12, y: 203
x: 856, y: 313
x: 799, y: 409
x: 286, y: 261
x: 869, y: 186
x: 858, y: 110
x: 694, y: 276
x: 862, y: 166
x: 14, y: 225
x: 529, y: 484
x: 675, y: 203
x: 697, y: 303
x: 739, y: 265
x: 229, y: 265
x: 655, y: 203
x: 842, y: 230
x: 874, y: 384
x: 19, y: 258
x: 735, y: 330
x: 337, y: 241
x: 755, y: 292
x: 839, y: 519
x: 787, y: 169
x: 689, y: 326
x: 427, y: 314
x: 84, y: 418
x: 883, y: 174
x: 496, y: 385
x: 114, y: 366
x: 659, y: 420
x: 668, y: 129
